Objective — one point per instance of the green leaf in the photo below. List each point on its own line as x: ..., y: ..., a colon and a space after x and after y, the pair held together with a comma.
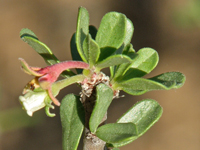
x: 143, y: 63
x: 112, y: 61
x: 144, y: 115
x: 141, y: 84
x: 29, y: 37
x: 146, y: 60
x: 91, y: 50
x: 169, y: 79
x: 27, y: 32
x: 112, y: 30
x: 111, y: 34
x: 116, y: 132
x: 72, y: 119
x: 86, y: 48
x: 94, y: 52
x: 128, y: 36
x: 138, y: 86
x: 82, y: 31
x: 104, y: 98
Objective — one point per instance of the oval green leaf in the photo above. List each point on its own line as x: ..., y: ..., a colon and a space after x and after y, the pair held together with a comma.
x: 138, y: 86
x: 112, y: 30
x: 144, y: 115
x: 91, y: 50
x: 146, y: 60
x: 141, y: 84
x: 116, y: 132
x: 143, y: 63
x: 72, y: 120
x: 104, y: 98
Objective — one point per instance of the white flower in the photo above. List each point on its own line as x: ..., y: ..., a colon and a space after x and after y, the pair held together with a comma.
x: 33, y: 101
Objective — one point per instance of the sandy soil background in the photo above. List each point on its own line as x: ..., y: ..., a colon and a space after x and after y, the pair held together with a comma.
x: 156, y: 25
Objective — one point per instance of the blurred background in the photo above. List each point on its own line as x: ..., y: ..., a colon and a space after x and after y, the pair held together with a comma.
x: 172, y: 27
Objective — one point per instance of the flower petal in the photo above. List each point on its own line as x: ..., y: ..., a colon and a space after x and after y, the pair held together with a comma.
x: 33, y: 101
x: 46, y: 81
x: 29, y: 70
x: 55, y: 101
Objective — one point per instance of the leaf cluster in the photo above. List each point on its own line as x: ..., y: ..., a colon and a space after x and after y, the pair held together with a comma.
x: 109, y: 46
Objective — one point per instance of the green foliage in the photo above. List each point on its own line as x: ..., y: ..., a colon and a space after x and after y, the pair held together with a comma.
x: 103, y: 100
x: 91, y: 49
x: 138, y: 86
x: 112, y: 30
x: 72, y: 119
x: 143, y: 62
x: 109, y: 46
x: 149, y: 113
x: 143, y: 114
x: 82, y: 31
